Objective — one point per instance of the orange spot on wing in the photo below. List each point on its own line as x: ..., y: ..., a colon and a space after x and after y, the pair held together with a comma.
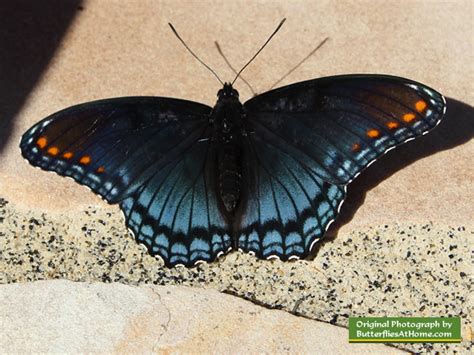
x: 41, y: 142
x: 100, y: 169
x: 392, y: 124
x: 68, y: 155
x: 355, y: 147
x: 373, y: 133
x: 85, y: 160
x: 53, y: 150
x: 408, y: 117
x: 420, y: 105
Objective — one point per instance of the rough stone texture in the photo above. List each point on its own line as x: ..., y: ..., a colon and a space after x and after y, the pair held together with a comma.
x: 403, y: 242
x: 63, y: 316
x: 409, y: 270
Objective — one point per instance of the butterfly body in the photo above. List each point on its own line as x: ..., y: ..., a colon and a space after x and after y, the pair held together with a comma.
x: 267, y: 176
x: 228, y: 129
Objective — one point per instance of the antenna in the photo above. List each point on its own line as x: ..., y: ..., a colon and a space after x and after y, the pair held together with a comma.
x: 268, y: 40
x: 194, y: 55
x: 232, y: 68
x: 301, y: 62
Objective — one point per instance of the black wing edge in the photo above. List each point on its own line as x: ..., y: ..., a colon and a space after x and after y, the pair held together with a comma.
x: 322, y: 80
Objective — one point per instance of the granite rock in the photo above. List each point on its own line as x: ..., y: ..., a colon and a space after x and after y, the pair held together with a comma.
x: 417, y: 270
x: 403, y: 242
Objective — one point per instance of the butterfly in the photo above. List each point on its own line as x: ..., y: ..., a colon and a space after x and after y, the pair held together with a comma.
x: 267, y: 176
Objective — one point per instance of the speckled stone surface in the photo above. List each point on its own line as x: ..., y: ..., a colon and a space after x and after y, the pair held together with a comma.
x: 403, y: 242
x: 408, y: 270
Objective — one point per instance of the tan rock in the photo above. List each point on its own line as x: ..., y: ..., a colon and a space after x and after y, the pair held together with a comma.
x: 64, y: 316
x: 119, y: 49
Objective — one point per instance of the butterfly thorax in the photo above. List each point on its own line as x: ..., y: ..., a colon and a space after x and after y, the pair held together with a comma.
x: 228, y: 129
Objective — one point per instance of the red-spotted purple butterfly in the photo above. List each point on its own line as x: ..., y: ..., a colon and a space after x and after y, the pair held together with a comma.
x: 267, y: 176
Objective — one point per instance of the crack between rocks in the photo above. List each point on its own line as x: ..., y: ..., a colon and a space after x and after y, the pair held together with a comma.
x: 279, y: 307
x: 165, y: 327
x: 300, y: 315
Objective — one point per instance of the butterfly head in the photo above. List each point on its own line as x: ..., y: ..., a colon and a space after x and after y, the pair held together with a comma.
x: 228, y: 93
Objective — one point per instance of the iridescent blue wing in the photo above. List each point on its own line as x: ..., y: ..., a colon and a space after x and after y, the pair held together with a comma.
x: 326, y: 131
x: 286, y: 206
x: 127, y: 150
x: 175, y: 212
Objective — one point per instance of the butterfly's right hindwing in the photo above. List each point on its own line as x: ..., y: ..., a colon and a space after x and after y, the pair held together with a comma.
x: 287, y: 207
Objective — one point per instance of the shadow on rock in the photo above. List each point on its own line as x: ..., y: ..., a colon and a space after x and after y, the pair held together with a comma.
x: 456, y: 128
x: 31, y: 32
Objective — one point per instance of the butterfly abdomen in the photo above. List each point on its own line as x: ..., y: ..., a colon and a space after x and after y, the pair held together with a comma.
x: 229, y: 174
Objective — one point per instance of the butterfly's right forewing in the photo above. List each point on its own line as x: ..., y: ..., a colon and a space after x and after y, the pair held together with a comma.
x: 343, y: 123
x: 308, y: 140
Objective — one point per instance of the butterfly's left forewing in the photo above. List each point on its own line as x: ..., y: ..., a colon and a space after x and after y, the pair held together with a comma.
x: 110, y: 145
x: 307, y: 141
x: 151, y: 154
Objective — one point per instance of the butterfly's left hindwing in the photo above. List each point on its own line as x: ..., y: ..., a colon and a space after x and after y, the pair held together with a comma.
x: 150, y: 154
x: 175, y: 212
